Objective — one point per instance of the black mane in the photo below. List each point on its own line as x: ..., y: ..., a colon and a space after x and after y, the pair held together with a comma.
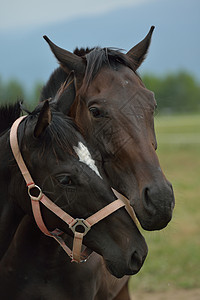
x: 50, y: 89
x: 82, y: 51
x: 96, y: 58
x: 8, y: 114
x: 99, y: 57
x: 61, y: 134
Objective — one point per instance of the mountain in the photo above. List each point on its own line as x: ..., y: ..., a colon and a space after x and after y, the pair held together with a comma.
x: 175, y: 45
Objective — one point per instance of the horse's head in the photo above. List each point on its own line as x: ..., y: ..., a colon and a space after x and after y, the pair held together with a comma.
x: 60, y: 163
x: 116, y: 112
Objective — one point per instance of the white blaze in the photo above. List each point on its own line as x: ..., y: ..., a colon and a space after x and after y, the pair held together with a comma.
x: 85, y: 157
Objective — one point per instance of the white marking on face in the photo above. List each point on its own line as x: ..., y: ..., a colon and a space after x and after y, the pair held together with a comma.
x: 85, y: 157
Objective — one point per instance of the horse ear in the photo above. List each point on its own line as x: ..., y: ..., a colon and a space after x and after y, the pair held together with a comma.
x: 44, y: 120
x: 138, y: 53
x: 68, y: 61
x: 65, y: 95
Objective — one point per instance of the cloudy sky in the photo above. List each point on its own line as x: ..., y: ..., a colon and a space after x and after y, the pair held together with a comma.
x: 115, y: 23
x: 23, y: 14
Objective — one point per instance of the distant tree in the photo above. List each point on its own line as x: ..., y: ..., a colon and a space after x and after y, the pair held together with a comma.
x: 34, y: 97
x: 11, y: 91
x: 1, y: 90
x: 175, y: 92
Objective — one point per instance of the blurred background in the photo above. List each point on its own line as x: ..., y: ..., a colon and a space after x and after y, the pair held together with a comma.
x: 171, y: 70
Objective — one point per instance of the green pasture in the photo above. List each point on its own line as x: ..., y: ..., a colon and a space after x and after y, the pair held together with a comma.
x: 174, y: 253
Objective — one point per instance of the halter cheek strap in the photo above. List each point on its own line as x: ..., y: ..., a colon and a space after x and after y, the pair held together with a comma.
x: 75, y: 254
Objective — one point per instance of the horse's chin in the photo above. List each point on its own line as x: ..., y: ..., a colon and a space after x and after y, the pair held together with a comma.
x: 114, y: 270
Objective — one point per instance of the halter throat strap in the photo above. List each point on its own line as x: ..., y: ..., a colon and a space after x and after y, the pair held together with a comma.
x: 75, y: 254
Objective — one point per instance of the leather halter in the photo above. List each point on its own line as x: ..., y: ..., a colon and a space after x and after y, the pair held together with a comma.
x: 75, y: 254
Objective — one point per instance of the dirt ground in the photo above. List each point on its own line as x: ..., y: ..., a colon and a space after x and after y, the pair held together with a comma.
x: 169, y: 295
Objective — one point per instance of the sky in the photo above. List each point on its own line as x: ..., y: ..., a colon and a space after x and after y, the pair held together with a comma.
x: 26, y: 57
x: 23, y: 14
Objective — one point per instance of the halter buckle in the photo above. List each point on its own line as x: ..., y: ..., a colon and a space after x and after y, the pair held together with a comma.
x: 80, y: 222
x: 34, y: 186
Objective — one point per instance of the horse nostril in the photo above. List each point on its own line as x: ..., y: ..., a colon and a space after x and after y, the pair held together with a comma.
x: 136, y: 262
x: 155, y: 209
x: 172, y: 196
x: 147, y: 202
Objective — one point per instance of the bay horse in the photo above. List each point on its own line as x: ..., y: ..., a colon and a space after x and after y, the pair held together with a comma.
x: 116, y: 114
x: 58, y: 159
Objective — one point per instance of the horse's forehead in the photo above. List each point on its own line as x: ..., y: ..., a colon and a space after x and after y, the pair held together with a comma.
x: 85, y: 157
x: 123, y: 86
x: 115, y: 81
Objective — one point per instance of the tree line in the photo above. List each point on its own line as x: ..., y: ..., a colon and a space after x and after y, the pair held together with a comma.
x: 175, y: 93
x: 12, y: 91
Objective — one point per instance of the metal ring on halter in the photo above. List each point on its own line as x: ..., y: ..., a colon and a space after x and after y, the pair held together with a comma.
x: 79, y: 222
x: 34, y: 197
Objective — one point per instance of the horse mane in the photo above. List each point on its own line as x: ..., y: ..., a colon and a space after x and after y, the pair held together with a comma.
x: 96, y: 58
x: 82, y: 51
x: 62, y: 131
x: 99, y: 57
x: 50, y: 89
x: 8, y: 114
x: 61, y: 134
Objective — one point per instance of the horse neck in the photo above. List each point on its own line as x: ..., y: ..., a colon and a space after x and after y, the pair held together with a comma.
x: 10, y: 213
x: 42, y: 250
x: 5, y: 173
x: 52, y: 86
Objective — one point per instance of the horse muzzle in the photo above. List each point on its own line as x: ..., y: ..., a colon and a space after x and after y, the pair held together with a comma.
x: 130, y: 263
x: 155, y: 207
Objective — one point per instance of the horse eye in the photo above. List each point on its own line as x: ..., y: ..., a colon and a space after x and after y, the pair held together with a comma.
x: 95, y: 112
x: 64, y: 180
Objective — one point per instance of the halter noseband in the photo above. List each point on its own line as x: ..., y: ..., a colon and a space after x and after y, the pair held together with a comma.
x: 75, y: 254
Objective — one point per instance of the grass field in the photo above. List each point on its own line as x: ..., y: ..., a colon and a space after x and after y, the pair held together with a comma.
x: 173, y: 261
